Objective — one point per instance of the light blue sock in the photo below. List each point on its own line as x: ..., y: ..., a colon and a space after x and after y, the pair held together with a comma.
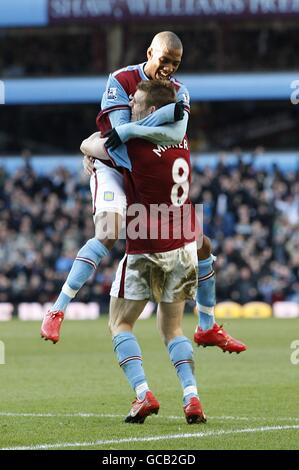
x: 181, y: 354
x: 206, y: 293
x: 128, y: 354
x: 85, y: 264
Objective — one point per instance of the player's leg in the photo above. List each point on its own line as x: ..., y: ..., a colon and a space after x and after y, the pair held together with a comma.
x: 169, y: 321
x: 180, y: 285
x: 206, y: 292
x: 122, y: 317
x: 208, y: 332
x: 89, y: 257
x: 85, y: 265
x: 109, y: 204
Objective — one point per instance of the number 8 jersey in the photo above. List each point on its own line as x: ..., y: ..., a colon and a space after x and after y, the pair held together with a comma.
x: 160, y: 215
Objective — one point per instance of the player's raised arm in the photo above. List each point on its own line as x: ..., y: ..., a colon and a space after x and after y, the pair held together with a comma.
x: 116, y: 112
x: 170, y: 134
x: 151, y: 128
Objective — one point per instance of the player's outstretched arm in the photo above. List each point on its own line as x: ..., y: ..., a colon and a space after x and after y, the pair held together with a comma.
x: 170, y: 134
x: 167, y: 114
x: 116, y: 102
x: 170, y: 113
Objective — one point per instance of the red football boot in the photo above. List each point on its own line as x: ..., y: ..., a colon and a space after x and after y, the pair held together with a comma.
x: 194, y: 412
x: 217, y: 336
x: 51, y: 326
x: 143, y: 408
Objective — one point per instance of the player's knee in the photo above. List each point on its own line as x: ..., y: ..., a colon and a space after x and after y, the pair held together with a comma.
x: 164, y: 338
x: 113, y: 325
x: 107, y: 242
x: 206, y: 249
x: 116, y: 329
x: 168, y: 335
x: 117, y: 325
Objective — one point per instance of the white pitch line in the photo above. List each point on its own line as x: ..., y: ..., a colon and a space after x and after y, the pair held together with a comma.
x: 61, y: 415
x: 255, y: 418
x: 60, y: 445
x: 105, y: 415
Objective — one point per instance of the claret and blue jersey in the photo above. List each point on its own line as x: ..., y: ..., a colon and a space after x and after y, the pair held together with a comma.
x: 120, y: 88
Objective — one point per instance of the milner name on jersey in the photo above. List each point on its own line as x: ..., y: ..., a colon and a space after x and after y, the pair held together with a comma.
x: 159, y: 149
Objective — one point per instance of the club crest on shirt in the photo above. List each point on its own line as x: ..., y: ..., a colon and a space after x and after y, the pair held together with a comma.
x: 108, y: 196
x: 112, y: 93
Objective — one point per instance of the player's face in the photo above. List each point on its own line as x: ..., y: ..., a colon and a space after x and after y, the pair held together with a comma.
x: 162, y: 62
x: 138, y: 106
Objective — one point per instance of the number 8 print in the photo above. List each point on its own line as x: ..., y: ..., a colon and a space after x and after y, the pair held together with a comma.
x: 180, y: 174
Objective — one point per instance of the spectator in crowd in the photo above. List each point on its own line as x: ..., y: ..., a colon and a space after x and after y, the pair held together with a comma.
x: 251, y: 215
x: 253, y: 48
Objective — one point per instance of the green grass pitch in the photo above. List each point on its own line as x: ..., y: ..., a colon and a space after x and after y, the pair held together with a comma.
x: 73, y: 395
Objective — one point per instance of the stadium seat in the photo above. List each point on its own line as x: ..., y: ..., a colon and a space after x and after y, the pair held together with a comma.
x: 257, y: 310
x: 285, y: 310
x: 228, y: 310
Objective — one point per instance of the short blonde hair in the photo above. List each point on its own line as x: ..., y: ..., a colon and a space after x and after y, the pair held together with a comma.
x: 158, y: 92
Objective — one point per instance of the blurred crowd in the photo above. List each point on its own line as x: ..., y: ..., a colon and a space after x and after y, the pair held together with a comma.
x: 84, y: 50
x: 89, y: 50
x: 253, y: 219
x: 50, y: 54
x: 251, y: 216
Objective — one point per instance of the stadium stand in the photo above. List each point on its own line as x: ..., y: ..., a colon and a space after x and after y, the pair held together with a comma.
x: 54, y: 73
x: 252, y: 216
x: 219, y: 48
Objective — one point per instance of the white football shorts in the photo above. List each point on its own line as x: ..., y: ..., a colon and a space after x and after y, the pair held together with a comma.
x: 162, y: 277
x: 107, y: 190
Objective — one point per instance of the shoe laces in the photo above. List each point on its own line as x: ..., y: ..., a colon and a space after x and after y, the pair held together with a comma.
x: 221, y: 330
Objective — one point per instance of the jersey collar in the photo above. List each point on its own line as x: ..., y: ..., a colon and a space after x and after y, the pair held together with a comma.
x: 141, y: 70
